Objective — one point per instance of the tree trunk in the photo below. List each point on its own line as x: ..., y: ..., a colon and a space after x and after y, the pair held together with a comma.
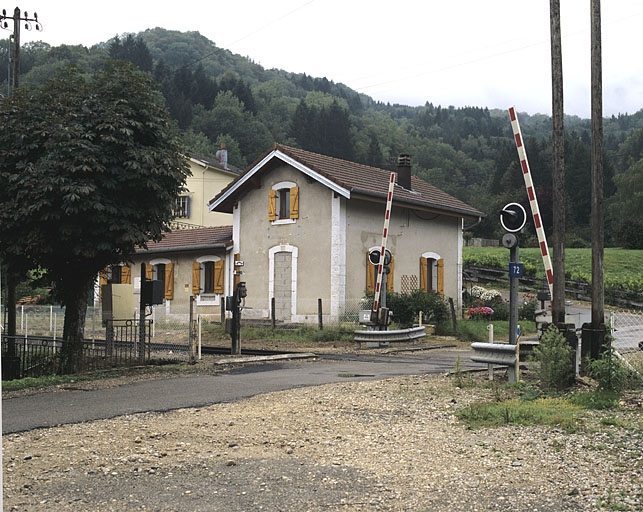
x: 75, y: 300
x: 558, y: 167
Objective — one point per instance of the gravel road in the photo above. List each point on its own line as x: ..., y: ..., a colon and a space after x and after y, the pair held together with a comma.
x: 390, y: 445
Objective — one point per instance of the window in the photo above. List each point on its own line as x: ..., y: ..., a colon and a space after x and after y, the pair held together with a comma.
x: 208, y: 276
x: 432, y: 273
x: 182, y: 207
x: 283, y: 202
x: 162, y: 270
x: 119, y: 274
x: 371, y: 274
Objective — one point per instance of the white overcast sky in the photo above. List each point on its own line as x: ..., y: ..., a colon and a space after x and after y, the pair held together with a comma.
x: 492, y: 53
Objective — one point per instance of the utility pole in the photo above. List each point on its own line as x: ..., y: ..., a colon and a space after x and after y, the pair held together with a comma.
x: 598, y: 227
x: 17, y: 19
x: 558, y: 167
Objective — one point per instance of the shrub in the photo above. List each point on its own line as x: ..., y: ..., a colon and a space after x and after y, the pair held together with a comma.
x: 527, y: 309
x: 556, y: 358
x: 608, y: 371
x: 406, y: 306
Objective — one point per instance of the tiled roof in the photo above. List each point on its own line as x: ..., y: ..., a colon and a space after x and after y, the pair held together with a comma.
x: 192, y: 239
x: 358, y: 179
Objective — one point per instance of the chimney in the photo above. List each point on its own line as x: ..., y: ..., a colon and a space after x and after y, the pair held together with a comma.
x: 222, y: 156
x: 404, y: 171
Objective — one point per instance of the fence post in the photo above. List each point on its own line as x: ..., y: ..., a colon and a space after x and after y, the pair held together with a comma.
x: 192, y: 340
x: 319, y: 314
x: 272, y: 312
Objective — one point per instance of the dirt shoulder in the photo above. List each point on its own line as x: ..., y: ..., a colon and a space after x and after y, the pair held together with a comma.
x: 393, y: 444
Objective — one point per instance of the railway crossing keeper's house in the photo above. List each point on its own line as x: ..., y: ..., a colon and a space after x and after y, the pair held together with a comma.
x: 303, y: 225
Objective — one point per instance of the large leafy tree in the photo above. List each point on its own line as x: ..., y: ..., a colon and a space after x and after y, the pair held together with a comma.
x: 90, y: 167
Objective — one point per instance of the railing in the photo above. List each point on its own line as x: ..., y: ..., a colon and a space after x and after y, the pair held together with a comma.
x: 37, y: 356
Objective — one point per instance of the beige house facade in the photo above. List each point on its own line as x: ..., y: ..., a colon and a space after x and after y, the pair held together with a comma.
x: 195, y: 257
x: 303, y: 225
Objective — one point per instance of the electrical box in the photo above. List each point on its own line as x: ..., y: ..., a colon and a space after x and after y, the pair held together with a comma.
x: 118, y: 303
x: 153, y: 292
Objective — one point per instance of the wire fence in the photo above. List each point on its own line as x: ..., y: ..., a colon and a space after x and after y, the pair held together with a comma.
x: 626, y: 328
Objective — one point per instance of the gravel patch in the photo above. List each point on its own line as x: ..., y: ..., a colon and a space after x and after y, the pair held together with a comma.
x: 390, y: 445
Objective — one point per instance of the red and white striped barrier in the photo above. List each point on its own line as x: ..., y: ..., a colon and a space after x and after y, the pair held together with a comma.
x: 533, y: 202
x: 380, y: 266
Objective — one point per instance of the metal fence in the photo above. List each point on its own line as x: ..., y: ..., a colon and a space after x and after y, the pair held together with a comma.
x: 37, y: 356
x: 626, y: 328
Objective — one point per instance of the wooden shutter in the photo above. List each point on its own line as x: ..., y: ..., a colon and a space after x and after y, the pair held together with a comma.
x: 102, y: 280
x: 440, y: 265
x: 272, y: 205
x: 390, y: 278
x: 424, y: 285
x: 149, y: 272
x: 169, y: 281
x: 370, y: 275
x: 126, y: 274
x: 294, y: 203
x: 196, y: 278
x: 219, y: 277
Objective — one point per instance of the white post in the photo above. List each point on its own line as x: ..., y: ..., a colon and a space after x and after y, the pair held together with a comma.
x: 490, y: 366
x: 55, y: 324
x: 198, y: 322
x: 51, y: 315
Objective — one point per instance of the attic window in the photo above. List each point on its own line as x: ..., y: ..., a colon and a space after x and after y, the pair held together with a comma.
x: 182, y: 207
x: 283, y: 203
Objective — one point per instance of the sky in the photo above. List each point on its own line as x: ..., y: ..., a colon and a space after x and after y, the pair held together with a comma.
x: 493, y: 53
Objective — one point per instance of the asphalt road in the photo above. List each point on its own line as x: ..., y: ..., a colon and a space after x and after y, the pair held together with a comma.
x: 60, y: 407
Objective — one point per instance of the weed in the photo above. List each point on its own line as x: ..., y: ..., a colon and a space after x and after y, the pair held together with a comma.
x: 555, y: 355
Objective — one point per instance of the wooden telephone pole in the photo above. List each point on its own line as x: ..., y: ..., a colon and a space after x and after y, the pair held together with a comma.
x: 17, y: 19
x: 558, y: 167
x: 598, y: 225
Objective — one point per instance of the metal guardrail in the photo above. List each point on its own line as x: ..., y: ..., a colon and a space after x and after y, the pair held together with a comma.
x: 381, y: 338
x: 500, y: 354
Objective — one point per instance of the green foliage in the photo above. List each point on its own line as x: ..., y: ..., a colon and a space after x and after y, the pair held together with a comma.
x: 608, y: 371
x: 556, y: 360
x: 596, y: 400
x: 406, y: 307
x: 91, y: 168
x: 622, y: 275
x: 542, y: 411
x: 468, y: 152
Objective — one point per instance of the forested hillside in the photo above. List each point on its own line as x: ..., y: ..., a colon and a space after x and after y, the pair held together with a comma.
x: 217, y: 96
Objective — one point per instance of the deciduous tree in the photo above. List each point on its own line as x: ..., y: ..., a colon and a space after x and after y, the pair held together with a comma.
x: 90, y: 167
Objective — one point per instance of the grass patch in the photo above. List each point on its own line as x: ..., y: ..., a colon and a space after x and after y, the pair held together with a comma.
x: 61, y: 380
x: 596, y: 400
x: 555, y: 412
x: 477, y: 330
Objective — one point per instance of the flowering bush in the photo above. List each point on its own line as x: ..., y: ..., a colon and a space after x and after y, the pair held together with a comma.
x: 480, y: 312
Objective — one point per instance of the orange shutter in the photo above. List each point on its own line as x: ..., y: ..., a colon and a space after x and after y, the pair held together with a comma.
x: 102, y: 280
x: 370, y: 275
x: 126, y: 274
x: 294, y: 203
x: 424, y: 285
x: 440, y: 264
x: 196, y: 278
x: 169, y: 281
x: 390, y: 278
x: 272, y: 205
x: 218, y: 277
x: 149, y: 272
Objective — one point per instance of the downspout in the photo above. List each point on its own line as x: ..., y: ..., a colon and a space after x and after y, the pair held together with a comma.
x: 467, y: 228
